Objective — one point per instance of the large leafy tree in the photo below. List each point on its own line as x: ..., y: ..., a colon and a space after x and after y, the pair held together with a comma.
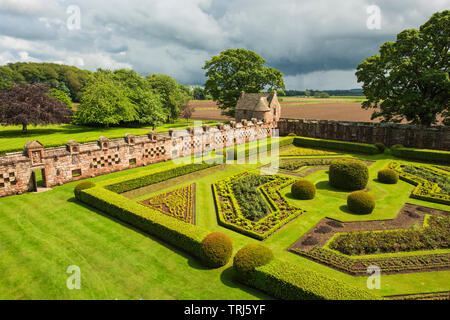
x: 173, y: 95
x: 105, y: 102
x: 146, y: 101
x: 121, y: 97
x: 25, y: 104
x: 409, y: 78
x: 236, y: 70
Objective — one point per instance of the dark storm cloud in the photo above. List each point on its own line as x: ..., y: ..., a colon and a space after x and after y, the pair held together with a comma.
x: 314, y: 43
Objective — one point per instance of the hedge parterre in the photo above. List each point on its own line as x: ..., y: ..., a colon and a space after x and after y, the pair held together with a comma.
x: 178, y: 203
x: 358, y: 266
x: 425, y: 189
x: 230, y: 214
x: 435, y: 235
x: 336, y: 145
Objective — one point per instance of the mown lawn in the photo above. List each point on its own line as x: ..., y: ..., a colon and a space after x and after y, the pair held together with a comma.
x: 12, y: 138
x: 42, y: 234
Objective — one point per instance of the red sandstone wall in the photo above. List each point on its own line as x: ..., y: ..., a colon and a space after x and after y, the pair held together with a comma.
x: 78, y: 161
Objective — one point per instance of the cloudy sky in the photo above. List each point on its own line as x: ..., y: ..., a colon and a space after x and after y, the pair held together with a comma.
x: 316, y: 44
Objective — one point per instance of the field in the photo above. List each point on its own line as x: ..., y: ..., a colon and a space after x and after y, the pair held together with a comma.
x: 42, y: 234
x: 333, y: 108
x: 12, y: 139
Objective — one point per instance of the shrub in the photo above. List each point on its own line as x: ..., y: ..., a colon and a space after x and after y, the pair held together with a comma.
x: 303, y: 189
x: 348, y: 174
x: 142, y: 179
x: 395, y: 146
x: 380, y: 146
x: 82, y: 186
x: 421, y: 154
x: 360, y: 202
x: 290, y: 281
x: 217, y: 249
x: 291, y: 134
x: 251, y: 256
x: 388, y: 176
x: 337, y: 145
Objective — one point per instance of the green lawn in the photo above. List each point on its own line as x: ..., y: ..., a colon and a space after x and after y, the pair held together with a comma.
x: 12, y: 138
x: 42, y: 234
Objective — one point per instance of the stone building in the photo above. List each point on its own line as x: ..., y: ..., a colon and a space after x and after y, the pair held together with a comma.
x: 261, y: 106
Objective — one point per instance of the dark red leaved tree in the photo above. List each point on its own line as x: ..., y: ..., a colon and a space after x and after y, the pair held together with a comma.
x: 26, y: 104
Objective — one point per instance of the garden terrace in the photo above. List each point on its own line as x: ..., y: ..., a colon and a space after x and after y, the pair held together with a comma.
x: 151, y: 249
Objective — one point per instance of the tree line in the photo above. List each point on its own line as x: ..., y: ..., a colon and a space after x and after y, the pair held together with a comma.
x: 106, y: 98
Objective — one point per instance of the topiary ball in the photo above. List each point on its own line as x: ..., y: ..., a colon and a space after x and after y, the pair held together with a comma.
x: 82, y: 186
x: 348, y: 174
x: 303, y: 189
x: 380, y: 146
x: 217, y: 249
x: 388, y: 176
x: 360, y: 202
x: 251, y: 256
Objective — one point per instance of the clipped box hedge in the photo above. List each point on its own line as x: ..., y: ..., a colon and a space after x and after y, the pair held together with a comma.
x: 180, y: 234
x: 127, y: 183
x: 336, y: 145
x: 289, y: 281
x: 422, y: 154
x: 425, y: 190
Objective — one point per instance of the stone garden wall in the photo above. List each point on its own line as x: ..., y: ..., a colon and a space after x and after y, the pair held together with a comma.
x: 76, y: 161
x: 409, y: 136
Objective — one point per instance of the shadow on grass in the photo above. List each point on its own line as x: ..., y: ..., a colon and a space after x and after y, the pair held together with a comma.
x: 344, y: 208
x: 325, y: 185
x: 228, y: 278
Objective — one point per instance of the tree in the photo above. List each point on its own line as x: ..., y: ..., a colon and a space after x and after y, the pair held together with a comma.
x: 172, y: 94
x: 105, y: 102
x: 121, y: 97
x: 61, y: 96
x: 9, y: 76
x: 187, y: 111
x: 237, y: 70
x: 25, y: 104
x: 199, y: 93
x: 409, y: 78
x: 321, y: 95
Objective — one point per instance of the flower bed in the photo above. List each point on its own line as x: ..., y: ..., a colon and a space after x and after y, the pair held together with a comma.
x: 436, y: 235
x: 230, y: 214
x: 425, y: 190
x: 179, y: 203
x: 358, y: 266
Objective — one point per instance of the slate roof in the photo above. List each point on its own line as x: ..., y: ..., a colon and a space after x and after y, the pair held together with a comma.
x: 255, y: 101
